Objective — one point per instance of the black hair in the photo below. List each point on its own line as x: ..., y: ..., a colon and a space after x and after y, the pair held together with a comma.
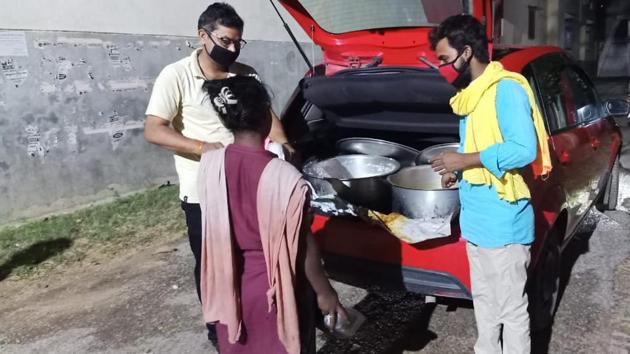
x: 242, y: 102
x: 219, y: 13
x: 461, y: 31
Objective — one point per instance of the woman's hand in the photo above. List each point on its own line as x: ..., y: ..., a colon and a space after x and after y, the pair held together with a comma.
x: 329, y: 304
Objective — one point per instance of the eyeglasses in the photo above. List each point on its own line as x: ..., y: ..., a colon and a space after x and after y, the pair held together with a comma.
x: 225, y: 42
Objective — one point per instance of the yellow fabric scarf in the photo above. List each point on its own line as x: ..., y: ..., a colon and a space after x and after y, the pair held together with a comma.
x: 478, y: 102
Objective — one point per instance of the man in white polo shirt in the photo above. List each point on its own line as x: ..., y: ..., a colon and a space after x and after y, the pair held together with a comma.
x: 180, y: 116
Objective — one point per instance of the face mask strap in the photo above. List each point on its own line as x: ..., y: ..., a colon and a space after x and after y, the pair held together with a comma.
x: 457, y: 58
x: 220, y: 54
x: 212, y: 39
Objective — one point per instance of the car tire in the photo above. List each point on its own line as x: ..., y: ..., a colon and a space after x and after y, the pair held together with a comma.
x: 544, y: 285
x: 611, y: 192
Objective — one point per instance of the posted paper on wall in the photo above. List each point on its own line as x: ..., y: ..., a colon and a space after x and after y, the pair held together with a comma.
x: 13, y: 44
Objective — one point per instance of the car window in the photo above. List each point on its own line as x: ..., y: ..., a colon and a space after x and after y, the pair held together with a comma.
x: 585, y: 101
x: 552, y: 85
x: 528, y: 73
x: 342, y: 16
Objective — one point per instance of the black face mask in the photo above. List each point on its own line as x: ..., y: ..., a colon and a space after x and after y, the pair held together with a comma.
x: 220, y: 55
x: 465, y: 77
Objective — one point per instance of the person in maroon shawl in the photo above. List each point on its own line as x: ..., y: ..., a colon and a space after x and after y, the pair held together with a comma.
x: 259, y: 261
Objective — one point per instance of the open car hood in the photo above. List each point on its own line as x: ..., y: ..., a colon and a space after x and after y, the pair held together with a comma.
x: 352, y: 34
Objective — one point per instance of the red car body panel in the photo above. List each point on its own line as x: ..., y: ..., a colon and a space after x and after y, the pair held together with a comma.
x: 361, y: 240
x: 517, y: 60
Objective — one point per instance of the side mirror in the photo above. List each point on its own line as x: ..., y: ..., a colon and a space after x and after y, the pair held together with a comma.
x: 616, y: 108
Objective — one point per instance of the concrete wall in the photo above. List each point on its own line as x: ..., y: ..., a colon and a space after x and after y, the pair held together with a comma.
x: 564, y: 23
x: 173, y: 18
x: 515, y: 22
x: 615, y: 54
x: 72, y: 103
x: 616, y: 10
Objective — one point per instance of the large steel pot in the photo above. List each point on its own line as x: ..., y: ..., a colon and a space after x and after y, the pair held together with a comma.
x: 405, y: 155
x: 357, y: 179
x: 428, y: 154
x: 417, y: 193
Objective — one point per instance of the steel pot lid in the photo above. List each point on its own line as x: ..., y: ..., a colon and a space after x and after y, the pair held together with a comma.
x: 369, y: 146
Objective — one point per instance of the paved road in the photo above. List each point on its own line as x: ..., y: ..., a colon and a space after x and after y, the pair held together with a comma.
x: 144, y: 303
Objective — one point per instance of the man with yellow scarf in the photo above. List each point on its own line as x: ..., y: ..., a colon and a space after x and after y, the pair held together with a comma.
x: 501, y: 131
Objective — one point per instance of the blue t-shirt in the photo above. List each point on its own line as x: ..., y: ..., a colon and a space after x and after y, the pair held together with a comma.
x: 486, y: 220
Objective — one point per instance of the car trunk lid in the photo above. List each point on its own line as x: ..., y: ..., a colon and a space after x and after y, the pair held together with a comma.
x: 352, y: 34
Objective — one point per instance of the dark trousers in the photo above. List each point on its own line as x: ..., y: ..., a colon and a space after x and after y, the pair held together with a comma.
x: 193, y: 223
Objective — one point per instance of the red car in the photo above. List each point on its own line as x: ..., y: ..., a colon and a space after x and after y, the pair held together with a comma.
x: 372, y: 84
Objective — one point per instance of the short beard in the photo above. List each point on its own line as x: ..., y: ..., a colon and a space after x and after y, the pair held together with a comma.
x: 463, y: 80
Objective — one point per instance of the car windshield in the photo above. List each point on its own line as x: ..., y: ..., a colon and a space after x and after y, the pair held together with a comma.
x: 341, y: 16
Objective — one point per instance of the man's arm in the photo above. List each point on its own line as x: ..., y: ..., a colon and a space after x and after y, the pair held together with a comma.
x: 277, y: 132
x: 278, y: 135
x: 520, y: 144
x: 163, y: 105
x: 451, y: 162
x: 158, y: 131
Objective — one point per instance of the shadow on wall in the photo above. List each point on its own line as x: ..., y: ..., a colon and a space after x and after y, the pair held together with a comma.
x: 35, y: 254
x: 614, y: 60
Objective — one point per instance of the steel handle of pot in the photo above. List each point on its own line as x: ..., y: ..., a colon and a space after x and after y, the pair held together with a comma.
x: 314, y: 194
x: 339, y: 187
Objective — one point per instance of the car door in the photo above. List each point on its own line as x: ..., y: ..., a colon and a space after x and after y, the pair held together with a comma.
x: 590, y: 118
x: 570, y: 142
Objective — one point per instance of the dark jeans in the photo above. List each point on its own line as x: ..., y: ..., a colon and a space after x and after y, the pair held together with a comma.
x: 193, y: 222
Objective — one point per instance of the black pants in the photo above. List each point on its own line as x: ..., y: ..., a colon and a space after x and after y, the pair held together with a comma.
x: 193, y: 222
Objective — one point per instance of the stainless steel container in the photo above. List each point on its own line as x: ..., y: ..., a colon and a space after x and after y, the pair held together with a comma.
x: 431, y: 152
x: 417, y: 194
x: 357, y: 179
x: 405, y: 155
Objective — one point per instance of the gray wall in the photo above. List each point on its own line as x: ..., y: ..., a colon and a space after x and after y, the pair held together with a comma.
x: 515, y: 22
x: 72, y: 108
x: 174, y: 18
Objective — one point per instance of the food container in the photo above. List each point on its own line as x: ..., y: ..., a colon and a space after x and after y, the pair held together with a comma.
x: 357, y: 179
x: 405, y: 155
x: 417, y: 194
x: 345, y: 327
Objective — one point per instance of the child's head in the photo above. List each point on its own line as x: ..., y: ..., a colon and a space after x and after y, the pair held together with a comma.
x: 242, y: 103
